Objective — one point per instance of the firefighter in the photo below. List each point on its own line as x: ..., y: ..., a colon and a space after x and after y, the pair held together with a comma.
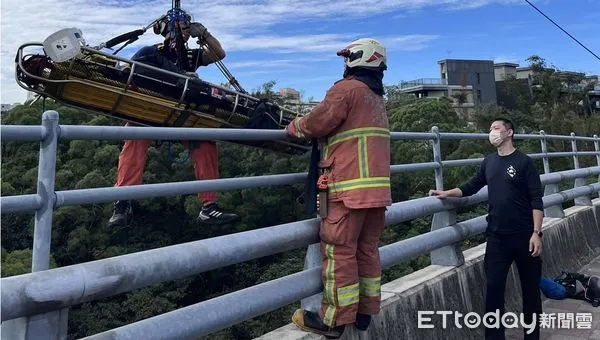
x: 352, y: 124
x: 204, y: 154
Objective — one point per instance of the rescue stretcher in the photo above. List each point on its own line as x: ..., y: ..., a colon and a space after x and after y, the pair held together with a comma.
x: 117, y: 87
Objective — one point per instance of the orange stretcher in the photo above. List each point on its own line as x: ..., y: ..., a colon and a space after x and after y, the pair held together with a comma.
x: 117, y: 87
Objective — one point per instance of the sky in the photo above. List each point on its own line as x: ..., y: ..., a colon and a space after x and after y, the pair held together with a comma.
x: 294, y: 42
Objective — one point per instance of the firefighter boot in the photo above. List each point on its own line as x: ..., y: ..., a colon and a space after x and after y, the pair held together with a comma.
x: 212, y: 215
x: 122, y: 214
x: 362, y: 321
x: 311, y: 322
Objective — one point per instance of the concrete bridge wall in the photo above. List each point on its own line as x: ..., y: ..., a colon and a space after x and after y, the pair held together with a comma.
x: 569, y: 244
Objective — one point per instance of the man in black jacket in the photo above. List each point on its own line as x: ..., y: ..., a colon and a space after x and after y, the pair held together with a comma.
x: 514, y: 219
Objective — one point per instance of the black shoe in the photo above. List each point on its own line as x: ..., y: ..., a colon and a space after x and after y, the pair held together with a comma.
x: 362, y: 321
x: 122, y: 214
x: 311, y: 322
x: 211, y: 214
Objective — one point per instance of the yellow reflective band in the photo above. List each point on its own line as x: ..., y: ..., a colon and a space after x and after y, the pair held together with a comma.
x: 360, y: 183
x: 360, y: 132
x: 348, y: 295
x: 330, y: 313
x: 330, y: 274
x: 329, y: 318
x: 325, y: 152
x: 370, y: 287
x: 363, y: 160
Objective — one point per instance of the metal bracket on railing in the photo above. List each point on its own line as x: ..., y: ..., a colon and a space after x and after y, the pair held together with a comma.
x: 579, y: 182
x: 312, y: 260
x: 449, y: 255
x: 544, y: 148
x: 554, y: 210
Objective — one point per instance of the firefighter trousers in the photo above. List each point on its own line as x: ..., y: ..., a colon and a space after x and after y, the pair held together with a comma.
x: 133, y: 156
x: 351, y: 266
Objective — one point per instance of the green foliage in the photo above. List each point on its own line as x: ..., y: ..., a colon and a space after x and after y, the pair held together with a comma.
x: 395, y: 98
x: 18, y: 262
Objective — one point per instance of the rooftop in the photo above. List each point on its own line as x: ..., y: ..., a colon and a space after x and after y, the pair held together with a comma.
x: 423, y: 81
x: 465, y: 61
x: 506, y: 65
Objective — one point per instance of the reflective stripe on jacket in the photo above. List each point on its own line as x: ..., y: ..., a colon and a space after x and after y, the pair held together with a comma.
x: 352, y: 120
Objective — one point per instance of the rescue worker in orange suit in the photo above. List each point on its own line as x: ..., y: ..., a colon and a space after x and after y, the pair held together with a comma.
x: 352, y: 124
x: 204, y: 154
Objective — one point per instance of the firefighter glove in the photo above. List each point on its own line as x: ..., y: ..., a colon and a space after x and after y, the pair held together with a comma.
x: 197, y: 30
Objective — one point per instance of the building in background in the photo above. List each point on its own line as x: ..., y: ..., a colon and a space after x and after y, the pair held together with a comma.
x: 31, y: 95
x: 513, y: 81
x: 4, y: 108
x: 469, y: 83
x: 290, y: 95
x: 292, y: 100
x: 502, y: 71
x: 435, y: 88
x: 593, y: 96
x: 473, y: 83
x: 479, y: 74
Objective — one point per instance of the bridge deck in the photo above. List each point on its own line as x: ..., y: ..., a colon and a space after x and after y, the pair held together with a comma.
x: 558, y: 307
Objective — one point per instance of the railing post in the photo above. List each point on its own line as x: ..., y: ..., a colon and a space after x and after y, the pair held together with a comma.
x: 582, y: 200
x: 312, y: 260
x: 554, y: 210
x: 449, y: 255
x: 52, y: 325
x: 597, y: 148
x: 45, y: 189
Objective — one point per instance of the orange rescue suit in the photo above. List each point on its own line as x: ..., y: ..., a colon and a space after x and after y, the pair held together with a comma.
x: 133, y: 156
x: 352, y: 122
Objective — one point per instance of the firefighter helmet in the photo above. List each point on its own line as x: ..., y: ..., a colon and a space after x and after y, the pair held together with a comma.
x: 365, y: 52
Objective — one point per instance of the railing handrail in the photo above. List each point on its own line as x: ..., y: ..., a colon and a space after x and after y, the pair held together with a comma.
x: 28, y: 202
x: 29, y: 294
x: 36, y: 133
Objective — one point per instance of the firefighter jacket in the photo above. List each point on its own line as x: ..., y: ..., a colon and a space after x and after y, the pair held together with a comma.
x: 352, y: 122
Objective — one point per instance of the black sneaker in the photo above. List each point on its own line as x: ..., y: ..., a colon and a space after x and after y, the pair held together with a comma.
x: 211, y: 214
x: 122, y: 214
x: 311, y: 322
x: 362, y: 321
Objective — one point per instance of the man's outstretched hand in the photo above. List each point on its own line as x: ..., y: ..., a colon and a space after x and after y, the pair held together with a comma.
x: 443, y: 194
x: 439, y: 194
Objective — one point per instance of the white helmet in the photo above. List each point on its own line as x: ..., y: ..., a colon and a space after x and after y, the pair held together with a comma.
x: 365, y: 52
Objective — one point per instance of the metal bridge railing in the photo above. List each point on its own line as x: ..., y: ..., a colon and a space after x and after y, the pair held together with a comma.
x: 43, y: 297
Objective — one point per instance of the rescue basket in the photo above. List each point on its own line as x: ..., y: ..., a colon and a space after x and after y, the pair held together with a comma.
x: 117, y: 87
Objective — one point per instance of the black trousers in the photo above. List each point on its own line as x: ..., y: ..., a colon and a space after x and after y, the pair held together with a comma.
x: 501, y: 251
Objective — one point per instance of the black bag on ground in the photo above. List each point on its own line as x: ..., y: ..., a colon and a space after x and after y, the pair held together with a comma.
x: 592, y: 291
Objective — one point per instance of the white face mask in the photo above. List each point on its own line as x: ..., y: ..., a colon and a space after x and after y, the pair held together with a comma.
x: 495, y: 138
